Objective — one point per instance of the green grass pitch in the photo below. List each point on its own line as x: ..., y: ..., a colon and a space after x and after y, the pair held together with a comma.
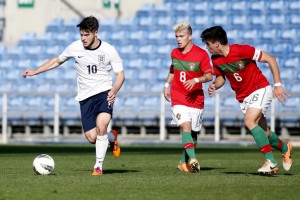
x: 144, y: 173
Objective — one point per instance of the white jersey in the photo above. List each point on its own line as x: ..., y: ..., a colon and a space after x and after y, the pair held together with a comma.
x: 93, y: 67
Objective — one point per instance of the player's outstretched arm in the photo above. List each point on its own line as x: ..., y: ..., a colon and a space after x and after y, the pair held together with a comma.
x: 50, y: 64
x: 278, y: 91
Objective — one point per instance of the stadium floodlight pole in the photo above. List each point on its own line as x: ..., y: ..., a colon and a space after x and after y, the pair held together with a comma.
x: 217, y: 117
x: 4, y: 118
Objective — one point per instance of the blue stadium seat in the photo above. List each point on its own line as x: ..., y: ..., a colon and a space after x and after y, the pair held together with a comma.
x: 146, y: 49
x: 250, y: 36
x: 230, y: 111
x: 292, y: 62
x: 286, y: 113
x: 150, y: 105
x: 127, y: 50
x: 289, y: 35
x: 234, y: 36
x: 287, y: 75
x: 277, y: 20
x: 294, y: 20
x: 295, y: 88
x: 137, y: 35
x: 293, y: 6
x: 280, y: 49
x: 221, y: 7
x: 119, y: 35
x: 200, y: 7
x: 164, y: 49
x: 147, y: 75
x: 25, y: 86
x: 240, y: 22
x: 277, y: 7
x: 156, y: 35
x: 238, y: 7
x: 131, y: 74
x: 203, y: 21
x: 269, y: 36
x: 16, y: 103
x: 221, y: 20
x: 296, y: 50
x: 6, y: 86
x: 258, y: 21
x: 258, y: 7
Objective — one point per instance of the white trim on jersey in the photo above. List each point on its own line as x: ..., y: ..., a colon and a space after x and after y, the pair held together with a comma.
x: 256, y: 55
x: 93, y: 67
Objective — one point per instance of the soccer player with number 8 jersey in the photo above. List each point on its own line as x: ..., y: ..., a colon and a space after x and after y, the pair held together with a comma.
x: 237, y: 64
x: 189, y: 69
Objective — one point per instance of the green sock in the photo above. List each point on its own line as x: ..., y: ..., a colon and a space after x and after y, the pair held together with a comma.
x: 262, y: 142
x: 184, y: 157
x: 276, y: 143
x: 188, y: 144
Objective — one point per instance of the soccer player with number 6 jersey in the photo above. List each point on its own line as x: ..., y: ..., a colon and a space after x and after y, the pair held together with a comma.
x: 189, y: 69
x: 237, y: 64
x: 94, y: 60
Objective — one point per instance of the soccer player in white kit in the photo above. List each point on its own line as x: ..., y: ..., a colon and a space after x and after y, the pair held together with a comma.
x: 94, y: 60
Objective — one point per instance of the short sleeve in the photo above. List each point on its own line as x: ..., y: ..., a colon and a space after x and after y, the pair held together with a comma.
x: 251, y: 53
x: 66, y: 54
x: 205, y: 65
x: 116, y: 61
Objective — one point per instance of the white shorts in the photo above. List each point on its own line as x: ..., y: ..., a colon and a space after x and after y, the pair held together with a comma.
x: 260, y: 99
x: 182, y: 114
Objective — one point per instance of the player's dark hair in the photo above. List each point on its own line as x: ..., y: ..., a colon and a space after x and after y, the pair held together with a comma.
x: 214, y: 34
x: 89, y: 24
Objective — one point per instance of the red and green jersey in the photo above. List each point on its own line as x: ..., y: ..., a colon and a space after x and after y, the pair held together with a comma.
x: 192, y: 64
x: 241, y: 70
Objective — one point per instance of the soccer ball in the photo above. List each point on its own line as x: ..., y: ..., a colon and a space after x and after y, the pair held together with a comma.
x: 43, y: 164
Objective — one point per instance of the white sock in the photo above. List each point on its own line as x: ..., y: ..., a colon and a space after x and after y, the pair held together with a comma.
x: 111, y: 136
x: 101, y: 147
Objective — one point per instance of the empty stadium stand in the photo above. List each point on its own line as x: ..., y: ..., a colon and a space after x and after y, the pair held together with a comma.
x: 144, y: 42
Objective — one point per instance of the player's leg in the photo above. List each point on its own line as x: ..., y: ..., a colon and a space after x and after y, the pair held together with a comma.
x: 251, y: 121
x: 182, y: 118
x: 102, y: 122
x: 113, y: 141
x: 275, y: 142
x: 257, y: 105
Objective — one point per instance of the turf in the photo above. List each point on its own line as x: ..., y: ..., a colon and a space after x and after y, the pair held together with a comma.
x: 144, y: 173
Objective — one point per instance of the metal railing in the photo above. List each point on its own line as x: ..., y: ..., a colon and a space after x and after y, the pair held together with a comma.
x: 216, y: 112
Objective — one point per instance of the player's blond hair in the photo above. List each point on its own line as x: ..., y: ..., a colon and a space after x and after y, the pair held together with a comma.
x: 181, y: 26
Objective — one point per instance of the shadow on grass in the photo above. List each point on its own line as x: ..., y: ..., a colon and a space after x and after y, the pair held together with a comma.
x: 113, y: 171
x: 209, y: 168
x: 257, y: 174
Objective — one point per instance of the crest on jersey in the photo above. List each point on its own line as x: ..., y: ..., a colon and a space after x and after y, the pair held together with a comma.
x: 178, y: 116
x: 101, y: 58
x: 191, y: 66
x: 240, y: 64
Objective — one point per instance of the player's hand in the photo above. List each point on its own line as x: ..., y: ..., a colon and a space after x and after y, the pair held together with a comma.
x: 211, y: 89
x: 189, y: 84
x: 28, y: 72
x: 111, y: 97
x: 280, y: 94
x: 167, y: 94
